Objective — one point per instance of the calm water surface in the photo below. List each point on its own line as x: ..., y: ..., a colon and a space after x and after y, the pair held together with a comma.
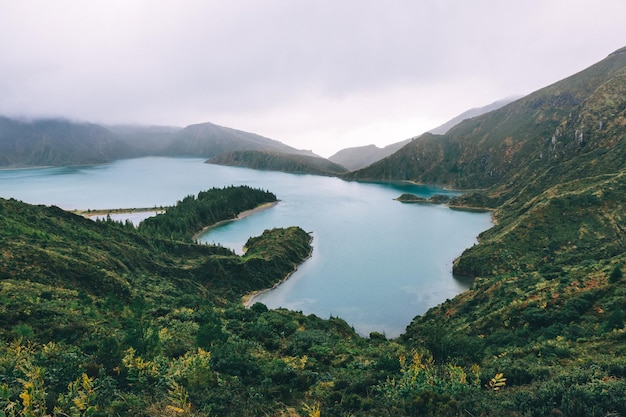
x: 376, y: 262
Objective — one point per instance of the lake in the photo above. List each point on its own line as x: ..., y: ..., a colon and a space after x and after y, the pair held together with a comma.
x: 376, y: 262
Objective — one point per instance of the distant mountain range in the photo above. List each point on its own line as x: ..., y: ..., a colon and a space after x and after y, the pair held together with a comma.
x: 208, y: 140
x: 52, y: 142
x: 56, y: 142
x: 363, y: 156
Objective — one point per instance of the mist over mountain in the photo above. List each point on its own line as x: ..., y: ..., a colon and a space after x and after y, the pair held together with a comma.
x: 148, y: 139
x: 63, y: 142
x: 208, y: 140
x: 56, y: 142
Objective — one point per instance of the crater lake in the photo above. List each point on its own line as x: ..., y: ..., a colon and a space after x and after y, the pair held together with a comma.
x: 376, y: 262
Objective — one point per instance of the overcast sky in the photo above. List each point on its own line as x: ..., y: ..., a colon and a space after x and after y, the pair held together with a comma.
x: 319, y: 74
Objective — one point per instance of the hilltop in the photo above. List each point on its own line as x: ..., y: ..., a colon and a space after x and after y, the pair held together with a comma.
x: 208, y: 140
x: 274, y: 161
x: 362, y: 156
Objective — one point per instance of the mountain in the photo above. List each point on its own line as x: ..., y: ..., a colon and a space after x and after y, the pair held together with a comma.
x: 207, y: 140
x: 547, y: 302
x: 567, y: 125
x: 284, y: 162
x: 362, y: 156
x: 58, y: 142
x: 468, y: 114
x: 54, y: 142
x: 542, y: 162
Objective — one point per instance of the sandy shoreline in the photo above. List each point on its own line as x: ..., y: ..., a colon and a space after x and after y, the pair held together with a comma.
x: 101, y: 212
x: 248, y: 300
x: 240, y: 216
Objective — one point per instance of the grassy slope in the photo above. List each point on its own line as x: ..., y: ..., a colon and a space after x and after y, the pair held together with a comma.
x: 506, y: 148
x: 547, y: 310
x: 544, y: 310
x: 61, y: 255
x: 132, y: 325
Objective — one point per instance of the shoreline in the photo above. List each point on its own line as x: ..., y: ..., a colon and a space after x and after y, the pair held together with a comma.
x: 240, y: 216
x: 248, y: 299
x: 472, y: 209
x: 444, y: 187
x: 101, y: 212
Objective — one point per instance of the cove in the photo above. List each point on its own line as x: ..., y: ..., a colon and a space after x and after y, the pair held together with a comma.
x: 376, y: 262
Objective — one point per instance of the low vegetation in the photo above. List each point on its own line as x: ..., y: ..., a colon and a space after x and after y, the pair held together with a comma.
x: 100, y: 318
x: 190, y: 215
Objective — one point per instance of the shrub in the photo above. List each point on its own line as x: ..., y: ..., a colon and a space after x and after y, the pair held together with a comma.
x: 616, y: 274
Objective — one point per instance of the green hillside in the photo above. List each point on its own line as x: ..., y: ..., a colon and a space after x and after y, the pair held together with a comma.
x: 545, y: 134
x: 274, y: 161
x: 101, y: 318
x: 547, y: 306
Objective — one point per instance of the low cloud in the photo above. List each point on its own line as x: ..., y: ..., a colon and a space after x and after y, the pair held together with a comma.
x: 319, y: 75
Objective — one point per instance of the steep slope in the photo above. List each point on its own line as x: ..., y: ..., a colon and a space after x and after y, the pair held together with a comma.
x: 567, y: 224
x: 207, y: 140
x: 273, y: 161
x: 546, y: 310
x: 537, y: 134
x: 57, y: 142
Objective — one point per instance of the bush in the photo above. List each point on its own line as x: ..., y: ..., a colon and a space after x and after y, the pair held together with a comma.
x: 616, y: 274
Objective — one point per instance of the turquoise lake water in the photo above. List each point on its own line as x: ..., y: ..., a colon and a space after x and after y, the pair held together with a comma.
x: 376, y: 262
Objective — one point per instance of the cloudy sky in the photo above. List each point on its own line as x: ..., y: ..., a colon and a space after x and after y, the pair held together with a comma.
x: 315, y: 74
